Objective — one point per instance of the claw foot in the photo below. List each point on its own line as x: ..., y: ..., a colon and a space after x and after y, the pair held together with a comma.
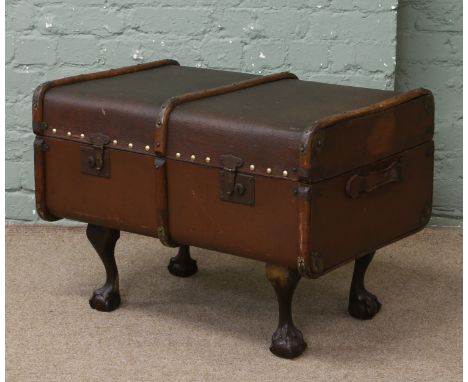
x: 105, y: 299
x: 287, y: 342
x: 364, y: 306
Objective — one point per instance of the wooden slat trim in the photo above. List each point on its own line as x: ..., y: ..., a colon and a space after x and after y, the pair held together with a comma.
x: 305, y: 161
x: 162, y: 122
x: 375, y: 108
x: 160, y: 137
x: 39, y: 179
x: 39, y: 93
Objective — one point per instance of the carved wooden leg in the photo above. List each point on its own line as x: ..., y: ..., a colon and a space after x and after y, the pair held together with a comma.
x: 287, y: 340
x: 107, y: 297
x: 183, y: 265
x: 362, y: 304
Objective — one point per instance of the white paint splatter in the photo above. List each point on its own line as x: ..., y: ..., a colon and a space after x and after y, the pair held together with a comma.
x: 230, y: 41
x: 198, y: 65
x: 34, y: 212
x: 319, y: 6
x: 137, y: 55
x: 394, y: 7
x: 261, y: 55
x: 385, y: 64
x: 48, y: 25
x: 163, y: 43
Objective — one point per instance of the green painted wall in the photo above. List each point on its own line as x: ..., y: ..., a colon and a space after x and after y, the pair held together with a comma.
x: 429, y: 54
x: 338, y: 41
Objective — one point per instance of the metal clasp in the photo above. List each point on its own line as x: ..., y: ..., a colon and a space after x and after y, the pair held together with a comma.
x: 94, y: 159
x: 230, y: 165
x: 235, y: 187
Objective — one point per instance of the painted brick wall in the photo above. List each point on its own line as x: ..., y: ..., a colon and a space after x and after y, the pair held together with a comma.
x: 429, y: 54
x: 338, y: 41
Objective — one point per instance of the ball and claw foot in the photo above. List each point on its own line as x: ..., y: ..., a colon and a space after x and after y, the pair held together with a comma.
x: 105, y: 299
x: 362, y: 304
x: 183, y: 265
x: 287, y: 342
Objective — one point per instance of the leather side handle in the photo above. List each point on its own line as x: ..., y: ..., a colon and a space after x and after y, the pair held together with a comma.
x: 363, y: 183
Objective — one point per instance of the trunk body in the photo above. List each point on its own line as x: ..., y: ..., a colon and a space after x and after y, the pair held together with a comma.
x: 295, y: 173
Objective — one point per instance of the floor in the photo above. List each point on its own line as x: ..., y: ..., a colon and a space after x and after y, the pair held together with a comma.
x: 216, y: 325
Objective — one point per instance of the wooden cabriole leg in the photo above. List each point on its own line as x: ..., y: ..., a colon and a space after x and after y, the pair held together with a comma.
x: 287, y: 340
x: 107, y: 297
x: 362, y: 304
x: 183, y: 265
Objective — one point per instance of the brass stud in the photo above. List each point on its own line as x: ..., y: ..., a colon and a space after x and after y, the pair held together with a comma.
x: 285, y: 173
x: 69, y: 133
x: 54, y: 130
x: 81, y: 135
x: 192, y: 157
x: 114, y: 141
x: 130, y: 145
x: 207, y: 159
x: 252, y: 167
x: 147, y: 148
x: 268, y: 170
x: 177, y: 155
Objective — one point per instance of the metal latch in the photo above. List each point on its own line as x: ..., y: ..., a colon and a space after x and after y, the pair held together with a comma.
x: 235, y: 187
x: 94, y: 159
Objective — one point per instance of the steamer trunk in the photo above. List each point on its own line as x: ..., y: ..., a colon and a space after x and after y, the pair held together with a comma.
x: 304, y: 176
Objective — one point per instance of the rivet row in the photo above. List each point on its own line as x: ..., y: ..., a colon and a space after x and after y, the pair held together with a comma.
x: 178, y: 155
x: 114, y: 142
x: 251, y: 167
